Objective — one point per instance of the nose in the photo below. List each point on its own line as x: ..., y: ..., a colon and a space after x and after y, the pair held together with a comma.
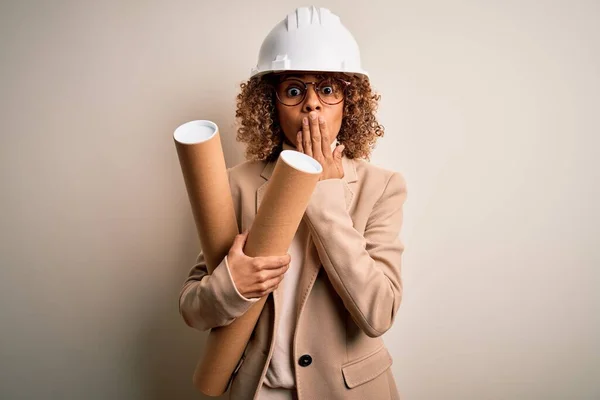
x: 312, y: 101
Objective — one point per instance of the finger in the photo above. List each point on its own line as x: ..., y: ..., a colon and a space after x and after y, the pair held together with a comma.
x: 272, y: 283
x: 274, y: 262
x: 315, y: 134
x: 239, y: 242
x: 325, y: 145
x: 337, y: 153
x: 269, y: 274
x: 299, y: 146
x: 264, y: 288
x: 306, y: 137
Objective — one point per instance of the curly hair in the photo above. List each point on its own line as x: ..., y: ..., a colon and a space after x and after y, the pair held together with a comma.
x: 259, y: 128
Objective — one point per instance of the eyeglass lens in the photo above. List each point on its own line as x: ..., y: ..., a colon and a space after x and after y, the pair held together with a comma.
x: 293, y: 91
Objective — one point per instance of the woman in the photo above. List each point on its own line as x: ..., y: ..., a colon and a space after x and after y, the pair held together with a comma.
x: 319, y: 334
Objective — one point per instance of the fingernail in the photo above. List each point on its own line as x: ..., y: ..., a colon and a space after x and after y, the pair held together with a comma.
x: 312, y: 115
x: 321, y: 120
x: 305, y: 121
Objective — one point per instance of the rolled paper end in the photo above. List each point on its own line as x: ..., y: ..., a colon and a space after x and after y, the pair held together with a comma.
x: 195, y: 132
x: 301, y: 162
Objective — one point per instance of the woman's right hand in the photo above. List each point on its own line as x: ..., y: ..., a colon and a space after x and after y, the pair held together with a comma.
x: 255, y: 277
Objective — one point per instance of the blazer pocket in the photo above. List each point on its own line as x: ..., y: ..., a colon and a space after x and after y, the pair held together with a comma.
x: 366, y: 368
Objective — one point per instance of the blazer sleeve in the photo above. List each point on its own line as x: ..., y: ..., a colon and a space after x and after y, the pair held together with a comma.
x: 208, y: 300
x: 363, y: 269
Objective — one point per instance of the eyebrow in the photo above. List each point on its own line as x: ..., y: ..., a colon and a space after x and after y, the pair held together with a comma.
x: 299, y: 77
x: 284, y: 77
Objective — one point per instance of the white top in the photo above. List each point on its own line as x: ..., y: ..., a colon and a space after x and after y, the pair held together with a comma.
x: 280, y: 373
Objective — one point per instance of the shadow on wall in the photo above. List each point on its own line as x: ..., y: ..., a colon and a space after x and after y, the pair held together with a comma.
x: 169, y: 350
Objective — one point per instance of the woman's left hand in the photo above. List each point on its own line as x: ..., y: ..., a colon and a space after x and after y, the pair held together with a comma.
x: 314, y: 140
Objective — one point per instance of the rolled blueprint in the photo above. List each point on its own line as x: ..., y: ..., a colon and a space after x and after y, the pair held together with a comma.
x: 284, y: 203
x: 202, y: 163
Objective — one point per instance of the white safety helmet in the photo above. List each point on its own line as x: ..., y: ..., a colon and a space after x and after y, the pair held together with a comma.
x: 309, y: 39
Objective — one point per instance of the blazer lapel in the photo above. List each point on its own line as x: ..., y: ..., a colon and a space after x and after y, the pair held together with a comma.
x: 266, y: 175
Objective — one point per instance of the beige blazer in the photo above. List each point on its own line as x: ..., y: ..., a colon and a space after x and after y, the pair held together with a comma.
x: 349, y: 291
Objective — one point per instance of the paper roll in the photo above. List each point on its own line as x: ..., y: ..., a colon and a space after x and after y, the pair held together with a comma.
x: 285, y: 200
x: 204, y: 171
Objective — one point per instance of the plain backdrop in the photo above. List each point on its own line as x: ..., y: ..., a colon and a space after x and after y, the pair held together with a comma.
x: 490, y: 110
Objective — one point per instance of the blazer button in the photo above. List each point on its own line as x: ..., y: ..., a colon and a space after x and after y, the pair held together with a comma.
x: 305, y: 360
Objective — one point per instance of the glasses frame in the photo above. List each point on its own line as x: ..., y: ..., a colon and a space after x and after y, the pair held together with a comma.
x: 315, y: 86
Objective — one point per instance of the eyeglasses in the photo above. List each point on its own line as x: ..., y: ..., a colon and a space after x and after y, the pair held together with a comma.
x: 292, y: 92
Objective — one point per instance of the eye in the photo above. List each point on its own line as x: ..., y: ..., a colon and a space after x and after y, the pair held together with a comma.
x: 327, y: 90
x: 293, y: 92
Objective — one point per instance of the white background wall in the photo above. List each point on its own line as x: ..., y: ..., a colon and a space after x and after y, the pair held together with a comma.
x: 490, y: 109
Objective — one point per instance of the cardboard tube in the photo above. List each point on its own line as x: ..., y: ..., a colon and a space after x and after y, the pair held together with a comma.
x: 285, y: 200
x: 204, y: 171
